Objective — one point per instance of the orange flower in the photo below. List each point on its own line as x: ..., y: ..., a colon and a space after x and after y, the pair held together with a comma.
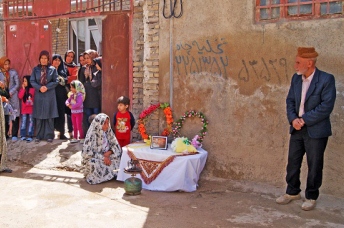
x: 141, y: 127
x: 144, y: 136
x: 167, y: 110
x: 169, y: 120
x: 168, y: 116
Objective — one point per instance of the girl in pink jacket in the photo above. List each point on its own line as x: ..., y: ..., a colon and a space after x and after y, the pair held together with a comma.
x: 75, y: 103
x: 26, y: 95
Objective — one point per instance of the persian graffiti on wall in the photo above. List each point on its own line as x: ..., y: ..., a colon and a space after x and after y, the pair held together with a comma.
x: 213, y: 57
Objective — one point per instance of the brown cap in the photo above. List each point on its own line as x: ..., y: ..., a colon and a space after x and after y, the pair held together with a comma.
x: 307, y: 52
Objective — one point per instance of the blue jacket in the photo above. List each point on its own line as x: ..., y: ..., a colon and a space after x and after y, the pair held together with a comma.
x: 13, y: 89
x: 45, y: 105
x: 319, y: 103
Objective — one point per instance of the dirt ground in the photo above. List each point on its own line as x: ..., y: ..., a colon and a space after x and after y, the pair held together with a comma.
x: 46, y: 190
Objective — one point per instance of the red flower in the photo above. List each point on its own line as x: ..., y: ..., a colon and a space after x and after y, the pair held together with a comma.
x: 144, y: 114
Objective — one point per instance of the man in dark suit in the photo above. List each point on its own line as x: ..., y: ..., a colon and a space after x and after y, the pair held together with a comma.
x: 310, y: 101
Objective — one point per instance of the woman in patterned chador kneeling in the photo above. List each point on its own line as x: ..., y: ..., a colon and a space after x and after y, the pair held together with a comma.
x: 101, y: 153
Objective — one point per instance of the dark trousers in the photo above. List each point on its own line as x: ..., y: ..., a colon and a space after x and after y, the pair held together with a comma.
x: 299, y: 144
x: 45, y: 128
x: 87, y: 113
x: 59, y: 122
x: 15, y: 127
x: 7, y: 125
x: 69, y: 123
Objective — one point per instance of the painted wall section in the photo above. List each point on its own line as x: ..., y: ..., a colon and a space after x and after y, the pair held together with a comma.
x: 2, y: 37
x: 2, y: 49
x: 238, y: 73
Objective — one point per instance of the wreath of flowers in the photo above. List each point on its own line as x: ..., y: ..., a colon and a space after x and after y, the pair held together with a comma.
x: 144, y: 114
x: 198, y: 139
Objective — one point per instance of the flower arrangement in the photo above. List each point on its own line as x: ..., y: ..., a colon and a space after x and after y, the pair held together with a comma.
x: 183, y: 145
x: 198, y: 139
x: 144, y: 116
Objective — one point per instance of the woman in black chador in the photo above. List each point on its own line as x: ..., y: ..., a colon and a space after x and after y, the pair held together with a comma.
x: 61, y: 95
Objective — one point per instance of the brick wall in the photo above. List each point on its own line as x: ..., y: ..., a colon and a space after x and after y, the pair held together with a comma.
x: 60, y: 37
x: 138, y: 72
x: 146, y: 62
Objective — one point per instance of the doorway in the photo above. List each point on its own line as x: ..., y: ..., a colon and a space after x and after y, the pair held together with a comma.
x: 115, y: 48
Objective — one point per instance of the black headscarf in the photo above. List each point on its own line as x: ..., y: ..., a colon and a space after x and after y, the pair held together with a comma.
x: 98, y: 60
x: 61, y: 70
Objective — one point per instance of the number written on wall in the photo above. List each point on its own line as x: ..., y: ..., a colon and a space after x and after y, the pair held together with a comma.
x: 268, y: 70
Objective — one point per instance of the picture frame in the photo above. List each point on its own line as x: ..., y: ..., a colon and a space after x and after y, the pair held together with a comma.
x: 159, y: 142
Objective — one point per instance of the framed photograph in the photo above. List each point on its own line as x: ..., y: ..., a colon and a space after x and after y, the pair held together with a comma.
x: 159, y: 142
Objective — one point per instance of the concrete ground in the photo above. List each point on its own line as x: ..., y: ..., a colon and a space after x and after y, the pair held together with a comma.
x: 46, y: 190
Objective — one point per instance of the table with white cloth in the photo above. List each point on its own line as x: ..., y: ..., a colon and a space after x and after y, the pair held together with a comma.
x: 164, y: 170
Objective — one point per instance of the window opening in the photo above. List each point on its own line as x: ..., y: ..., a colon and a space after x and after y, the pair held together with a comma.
x: 86, y: 34
x: 91, y: 22
x: 274, y: 10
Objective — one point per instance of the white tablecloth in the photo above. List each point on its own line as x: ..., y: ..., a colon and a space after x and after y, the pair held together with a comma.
x: 181, y: 174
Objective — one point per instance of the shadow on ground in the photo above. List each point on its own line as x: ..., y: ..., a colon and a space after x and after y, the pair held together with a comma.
x: 47, y: 182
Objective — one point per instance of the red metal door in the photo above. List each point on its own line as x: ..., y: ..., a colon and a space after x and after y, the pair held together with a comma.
x: 115, y: 59
x: 24, y: 41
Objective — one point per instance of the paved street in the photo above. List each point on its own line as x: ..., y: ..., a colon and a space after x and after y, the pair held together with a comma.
x: 46, y: 190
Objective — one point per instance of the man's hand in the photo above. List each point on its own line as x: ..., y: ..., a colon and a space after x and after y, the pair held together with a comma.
x: 298, y: 123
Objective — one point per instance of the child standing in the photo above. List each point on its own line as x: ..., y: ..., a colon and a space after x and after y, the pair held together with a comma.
x: 124, y: 121
x: 26, y: 95
x: 75, y: 103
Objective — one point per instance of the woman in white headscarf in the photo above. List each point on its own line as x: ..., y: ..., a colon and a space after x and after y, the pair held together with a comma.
x: 101, y: 152
x: 3, y: 143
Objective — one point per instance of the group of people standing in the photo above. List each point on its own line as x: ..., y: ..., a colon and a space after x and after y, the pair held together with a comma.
x: 45, y: 93
x: 58, y: 90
